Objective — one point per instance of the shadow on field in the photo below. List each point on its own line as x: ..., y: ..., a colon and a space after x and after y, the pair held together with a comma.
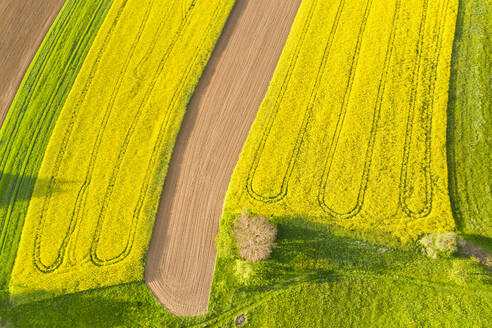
x: 310, y: 256
x: 85, y: 312
x: 116, y: 306
x: 480, y: 241
x: 308, y: 251
x: 15, y: 188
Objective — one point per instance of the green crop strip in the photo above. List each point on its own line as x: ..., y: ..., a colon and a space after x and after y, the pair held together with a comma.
x: 470, y: 123
x: 34, y: 112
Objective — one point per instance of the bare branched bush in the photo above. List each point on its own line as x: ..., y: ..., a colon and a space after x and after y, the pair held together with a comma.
x: 255, y: 237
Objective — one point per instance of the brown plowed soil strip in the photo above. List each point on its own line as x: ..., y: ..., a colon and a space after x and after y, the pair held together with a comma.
x: 181, y: 257
x: 23, y: 25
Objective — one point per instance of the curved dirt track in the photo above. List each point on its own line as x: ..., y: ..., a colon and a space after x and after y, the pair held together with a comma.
x: 181, y: 257
x: 23, y: 25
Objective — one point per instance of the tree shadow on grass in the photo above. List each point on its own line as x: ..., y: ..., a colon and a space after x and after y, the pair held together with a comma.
x: 311, y: 257
x: 84, y: 311
x: 308, y: 249
x: 126, y: 305
x: 308, y: 256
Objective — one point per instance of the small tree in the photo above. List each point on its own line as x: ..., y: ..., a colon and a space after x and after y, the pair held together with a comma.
x: 255, y: 237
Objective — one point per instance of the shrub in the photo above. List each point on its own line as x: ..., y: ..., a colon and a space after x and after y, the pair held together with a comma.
x: 438, y: 244
x: 255, y: 237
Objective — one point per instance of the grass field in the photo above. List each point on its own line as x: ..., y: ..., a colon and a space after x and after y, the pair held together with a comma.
x: 352, y: 130
x: 33, y: 113
x: 342, y: 282
x: 316, y: 277
x: 104, y: 167
x: 470, y: 123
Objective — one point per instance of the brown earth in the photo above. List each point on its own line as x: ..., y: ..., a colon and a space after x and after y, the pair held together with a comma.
x: 23, y: 25
x: 181, y: 257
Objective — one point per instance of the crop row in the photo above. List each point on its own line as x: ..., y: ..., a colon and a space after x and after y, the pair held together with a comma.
x: 353, y: 125
x: 107, y: 158
x: 25, y: 133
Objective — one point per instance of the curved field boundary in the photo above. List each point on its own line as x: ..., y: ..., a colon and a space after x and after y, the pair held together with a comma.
x: 164, y: 128
x: 22, y: 28
x: 180, y: 261
x: 106, y: 160
x: 374, y: 113
x: 33, y: 113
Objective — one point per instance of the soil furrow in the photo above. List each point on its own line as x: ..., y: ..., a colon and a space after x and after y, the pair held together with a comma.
x: 181, y: 257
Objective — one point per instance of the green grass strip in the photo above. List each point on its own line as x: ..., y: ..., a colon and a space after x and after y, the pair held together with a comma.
x: 314, y: 279
x: 469, y: 123
x: 33, y: 114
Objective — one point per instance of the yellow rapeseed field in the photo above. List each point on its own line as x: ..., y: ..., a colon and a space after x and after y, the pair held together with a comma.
x: 352, y: 130
x: 90, y: 221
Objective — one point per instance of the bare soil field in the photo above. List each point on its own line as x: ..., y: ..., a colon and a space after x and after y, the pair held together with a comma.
x: 181, y: 257
x: 23, y: 25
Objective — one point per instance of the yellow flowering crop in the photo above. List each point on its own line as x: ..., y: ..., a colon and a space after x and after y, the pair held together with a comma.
x: 352, y: 129
x: 107, y: 158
